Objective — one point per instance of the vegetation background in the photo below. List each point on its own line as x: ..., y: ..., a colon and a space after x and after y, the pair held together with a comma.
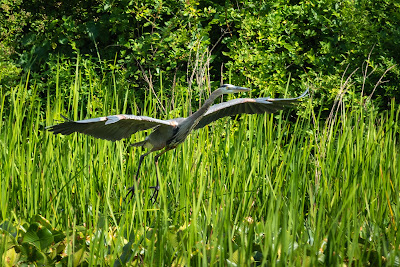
x: 317, y: 185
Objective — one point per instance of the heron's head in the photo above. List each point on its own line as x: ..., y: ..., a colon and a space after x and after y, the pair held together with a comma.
x: 229, y: 89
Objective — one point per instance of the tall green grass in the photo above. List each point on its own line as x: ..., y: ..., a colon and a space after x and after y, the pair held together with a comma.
x: 259, y: 190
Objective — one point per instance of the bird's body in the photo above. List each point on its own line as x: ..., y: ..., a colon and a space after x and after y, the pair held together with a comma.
x: 167, y: 134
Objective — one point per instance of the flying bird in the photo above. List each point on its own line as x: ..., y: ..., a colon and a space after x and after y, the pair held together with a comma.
x: 167, y: 134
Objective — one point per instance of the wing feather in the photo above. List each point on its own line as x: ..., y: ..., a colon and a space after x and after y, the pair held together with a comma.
x: 112, y: 128
x: 248, y: 106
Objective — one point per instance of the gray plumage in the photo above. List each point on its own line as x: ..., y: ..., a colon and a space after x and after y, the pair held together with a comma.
x: 113, y: 128
x: 247, y: 106
x: 167, y: 134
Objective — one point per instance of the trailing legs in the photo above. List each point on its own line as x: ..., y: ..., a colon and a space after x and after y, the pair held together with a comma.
x: 131, y: 190
x: 157, y: 186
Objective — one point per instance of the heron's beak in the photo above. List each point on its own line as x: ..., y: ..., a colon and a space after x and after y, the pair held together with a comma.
x: 238, y: 89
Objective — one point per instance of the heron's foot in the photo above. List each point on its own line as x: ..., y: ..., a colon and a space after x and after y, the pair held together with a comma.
x: 131, y: 191
x: 155, y: 193
x: 154, y: 196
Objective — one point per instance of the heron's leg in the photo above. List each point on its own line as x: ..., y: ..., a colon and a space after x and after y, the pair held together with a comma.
x: 131, y: 190
x: 157, y: 186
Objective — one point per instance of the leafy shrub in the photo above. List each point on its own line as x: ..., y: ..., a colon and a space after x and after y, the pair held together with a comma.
x: 314, y: 42
x: 269, y: 44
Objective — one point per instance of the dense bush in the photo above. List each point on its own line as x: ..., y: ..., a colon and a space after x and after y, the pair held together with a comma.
x: 267, y: 44
x: 315, y: 41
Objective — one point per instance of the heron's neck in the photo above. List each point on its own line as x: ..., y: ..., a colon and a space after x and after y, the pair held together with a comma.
x: 201, y: 111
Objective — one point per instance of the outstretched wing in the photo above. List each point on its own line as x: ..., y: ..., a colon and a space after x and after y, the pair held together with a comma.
x: 246, y: 105
x: 112, y: 128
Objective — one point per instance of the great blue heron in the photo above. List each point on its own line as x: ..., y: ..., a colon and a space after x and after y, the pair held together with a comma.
x: 167, y: 134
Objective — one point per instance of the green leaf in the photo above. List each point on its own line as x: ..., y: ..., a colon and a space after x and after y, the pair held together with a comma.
x: 79, y: 256
x: 39, y: 236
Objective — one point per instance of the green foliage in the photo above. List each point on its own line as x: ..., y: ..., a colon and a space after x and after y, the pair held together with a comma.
x: 148, y: 38
x: 257, y: 190
x: 313, y: 42
x: 264, y: 190
x: 12, y: 23
x: 267, y: 44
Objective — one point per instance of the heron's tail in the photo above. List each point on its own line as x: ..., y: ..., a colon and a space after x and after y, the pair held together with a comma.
x: 139, y: 143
